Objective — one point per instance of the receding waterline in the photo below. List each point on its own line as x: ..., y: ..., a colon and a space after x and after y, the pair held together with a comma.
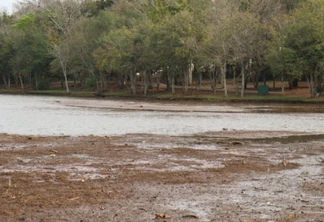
x: 35, y: 115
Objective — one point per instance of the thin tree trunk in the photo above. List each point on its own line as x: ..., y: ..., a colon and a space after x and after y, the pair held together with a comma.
x: 213, y: 79
x: 314, y: 85
x: 172, y: 85
x: 5, y: 81
x: 243, y: 80
x: 65, y: 76
x: 66, y: 81
x: 36, y: 82
x: 224, y: 78
x: 212, y: 85
x: 191, y: 68
x: 146, y: 82
x: 158, y: 82
x: 104, y: 81
x: 311, y: 85
x: 282, y: 84
x: 186, y: 80
x: 199, y: 81
x: 234, y: 75
x: 235, y: 81
x: 215, y: 75
x: 142, y: 76
x: 21, y: 82
x: 133, y: 79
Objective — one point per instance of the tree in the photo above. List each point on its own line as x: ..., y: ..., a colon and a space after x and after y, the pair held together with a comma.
x: 83, y: 41
x: 62, y: 16
x: 31, y: 50
x: 306, y: 40
x: 6, y: 48
x: 217, y: 45
x: 279, y: 57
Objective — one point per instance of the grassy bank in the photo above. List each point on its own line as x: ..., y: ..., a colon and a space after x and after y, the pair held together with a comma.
x: 250, y: 97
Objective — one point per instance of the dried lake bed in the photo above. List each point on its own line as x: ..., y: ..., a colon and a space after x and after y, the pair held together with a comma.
x: 66, y: 159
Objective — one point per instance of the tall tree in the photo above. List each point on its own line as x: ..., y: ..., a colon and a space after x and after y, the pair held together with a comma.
x: 6, y: 48
x: 306, y: 39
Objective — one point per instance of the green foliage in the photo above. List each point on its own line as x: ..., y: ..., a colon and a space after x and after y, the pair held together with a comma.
x: 158, y: 10
x: 96, y: 37
x: 25, y: 22
x: 41, y: 84
x: 90, y: 82
x: 93, y: 8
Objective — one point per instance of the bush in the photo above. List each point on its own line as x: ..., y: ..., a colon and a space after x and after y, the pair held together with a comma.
x: 90, y: 82
x: 41, y: 84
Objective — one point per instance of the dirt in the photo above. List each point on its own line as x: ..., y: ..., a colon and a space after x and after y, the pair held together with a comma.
x: 216, y: 176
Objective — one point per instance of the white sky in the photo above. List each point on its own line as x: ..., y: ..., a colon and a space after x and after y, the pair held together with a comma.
x: 7, y: 5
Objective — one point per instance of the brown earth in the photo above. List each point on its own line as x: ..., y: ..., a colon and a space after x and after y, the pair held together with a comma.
x: 217, y: 176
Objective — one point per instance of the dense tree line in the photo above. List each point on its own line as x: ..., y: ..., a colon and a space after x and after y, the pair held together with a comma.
x: 96, y: 42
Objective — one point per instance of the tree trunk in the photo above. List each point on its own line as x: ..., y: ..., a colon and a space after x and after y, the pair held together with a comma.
x: 186, y: 74
x: 158, y: 82
x: 312, y: 89
x: 64, y: 69
x: 66, y: 81
x: 36, y: 82
x: 168, y: 79
x: 223, y: 69
x: 104, y: 81
x: 199, y: 80
x: 146, y: 83
x: 243, y: 80
x: 21, y: 82
x: 133, y: 80
x: 172, y: 84
x: 212, y: 85
x: 120, y: 79
x: 5, y: 81
x: 191, y: 69
x: 256, y: 78
x: 234, y: 75
x: 282, y: 84
x: 63, y: 64
x: 235, y: 81
x: 213, y: 79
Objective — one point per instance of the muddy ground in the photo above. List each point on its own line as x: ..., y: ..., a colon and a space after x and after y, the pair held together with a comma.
x: 217, y: 176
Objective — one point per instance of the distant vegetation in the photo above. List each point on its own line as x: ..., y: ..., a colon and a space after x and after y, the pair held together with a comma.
x: 174, y: 43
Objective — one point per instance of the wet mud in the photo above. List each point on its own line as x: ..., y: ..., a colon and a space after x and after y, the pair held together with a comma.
x: 215, y: 176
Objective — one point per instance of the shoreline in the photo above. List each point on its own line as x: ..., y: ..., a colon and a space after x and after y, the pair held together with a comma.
x: 250, y: 98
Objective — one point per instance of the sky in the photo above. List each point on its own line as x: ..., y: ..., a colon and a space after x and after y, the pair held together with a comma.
x: 6, y: 4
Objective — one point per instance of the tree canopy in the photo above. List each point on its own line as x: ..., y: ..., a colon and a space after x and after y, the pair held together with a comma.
x: 94, y: 41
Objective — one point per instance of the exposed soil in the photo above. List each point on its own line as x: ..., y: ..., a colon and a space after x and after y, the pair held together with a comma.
x: 217, y: 176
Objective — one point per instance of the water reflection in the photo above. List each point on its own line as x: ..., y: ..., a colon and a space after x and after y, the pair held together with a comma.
x: 35, y: 115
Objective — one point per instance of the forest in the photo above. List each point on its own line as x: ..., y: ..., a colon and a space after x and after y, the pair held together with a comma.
x: 97, y: 43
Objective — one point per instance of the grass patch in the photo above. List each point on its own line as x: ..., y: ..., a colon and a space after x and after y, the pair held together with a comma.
x: 219, y: 97
x: 121, y: 94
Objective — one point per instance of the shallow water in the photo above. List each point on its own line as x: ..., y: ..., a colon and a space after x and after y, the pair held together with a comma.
x: 37, y: 115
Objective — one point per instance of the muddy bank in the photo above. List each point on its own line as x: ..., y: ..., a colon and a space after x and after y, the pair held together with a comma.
x: 217, y: 176
x: 197, y: 105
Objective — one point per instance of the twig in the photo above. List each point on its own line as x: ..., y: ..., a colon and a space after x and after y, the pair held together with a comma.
x: 74, y: 198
